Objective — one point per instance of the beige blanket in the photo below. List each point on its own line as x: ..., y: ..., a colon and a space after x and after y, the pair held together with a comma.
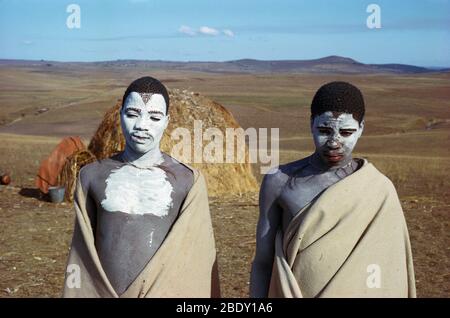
x: 352, y: 241
x: 182, y: 266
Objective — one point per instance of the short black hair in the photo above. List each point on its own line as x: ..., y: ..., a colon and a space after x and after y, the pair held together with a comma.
x: 338, y: 97
x: 148, y: 85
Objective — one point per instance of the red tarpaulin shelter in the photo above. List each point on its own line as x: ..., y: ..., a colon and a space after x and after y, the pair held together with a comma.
x: 51, y: 167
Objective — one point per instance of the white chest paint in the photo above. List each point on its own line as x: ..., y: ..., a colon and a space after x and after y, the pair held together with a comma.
x: 137, y: 191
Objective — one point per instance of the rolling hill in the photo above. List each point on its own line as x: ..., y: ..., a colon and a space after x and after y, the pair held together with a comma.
x: 326, y: 65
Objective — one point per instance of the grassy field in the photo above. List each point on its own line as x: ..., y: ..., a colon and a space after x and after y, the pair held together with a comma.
x: 407, y: 137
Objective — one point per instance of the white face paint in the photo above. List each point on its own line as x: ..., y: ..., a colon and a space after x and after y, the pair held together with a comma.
x: 335, y: 138
x: 136, y: 191
x: 150, y: 242
x: 143, y: 122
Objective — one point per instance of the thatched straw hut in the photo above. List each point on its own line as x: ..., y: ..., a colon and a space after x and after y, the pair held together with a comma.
x: 70, y: 171
x: 185, y: 108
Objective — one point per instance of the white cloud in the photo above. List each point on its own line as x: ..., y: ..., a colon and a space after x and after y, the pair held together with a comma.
x: 27, y: 42
x: 228, y: 32
x: 208, y: 31
x: 204, y: 30
x: 186, y: 30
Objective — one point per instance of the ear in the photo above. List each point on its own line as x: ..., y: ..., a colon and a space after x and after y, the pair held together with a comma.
x: 167, y: 121
x: 311, y: 125
x: 361, y: 125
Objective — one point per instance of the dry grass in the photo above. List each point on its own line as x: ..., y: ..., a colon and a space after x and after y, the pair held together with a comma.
x: 22, y: 156
x: 416, y: 176
x: 36, y: 234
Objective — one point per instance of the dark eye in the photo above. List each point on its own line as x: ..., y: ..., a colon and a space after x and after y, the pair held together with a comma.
x: 346, y: 133
x: 131, y: 115
x: 324, y: 131
x: 155, y: 118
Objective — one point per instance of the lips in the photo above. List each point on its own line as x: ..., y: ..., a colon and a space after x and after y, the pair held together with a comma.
x: 140, y: 138
x: 333, y: 156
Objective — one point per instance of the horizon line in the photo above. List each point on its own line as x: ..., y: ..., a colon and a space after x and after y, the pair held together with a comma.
x: 219, y: 61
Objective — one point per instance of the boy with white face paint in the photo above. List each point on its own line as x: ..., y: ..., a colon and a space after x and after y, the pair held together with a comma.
x: 328, y: 217
x: 135, y: 208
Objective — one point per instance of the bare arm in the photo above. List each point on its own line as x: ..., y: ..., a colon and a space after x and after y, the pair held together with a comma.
x: 91, y: 207
x: 269, y: 221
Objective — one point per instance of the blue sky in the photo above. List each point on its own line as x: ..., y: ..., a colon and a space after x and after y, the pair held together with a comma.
x: 412, y: 32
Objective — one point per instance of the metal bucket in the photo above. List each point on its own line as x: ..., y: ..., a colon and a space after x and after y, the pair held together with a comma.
x: 56, y: 194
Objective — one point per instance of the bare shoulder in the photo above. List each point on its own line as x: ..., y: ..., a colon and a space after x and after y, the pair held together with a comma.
x: 87, y: 173
x: 277, y: 177
x: 274, y: 179
x: 91, y: 172
x: 182, y: 173
x: 177, y: 166
x: 89, y: 168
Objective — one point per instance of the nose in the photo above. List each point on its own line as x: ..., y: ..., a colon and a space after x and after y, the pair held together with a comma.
x: 141, y: 124
x: 333, y: 142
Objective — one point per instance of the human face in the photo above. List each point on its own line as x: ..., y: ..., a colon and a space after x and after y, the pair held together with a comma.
x: 335, y: 137
x: 143, y: 123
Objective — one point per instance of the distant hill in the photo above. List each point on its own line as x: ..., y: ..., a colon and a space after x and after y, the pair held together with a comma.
x: 329, y: 64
